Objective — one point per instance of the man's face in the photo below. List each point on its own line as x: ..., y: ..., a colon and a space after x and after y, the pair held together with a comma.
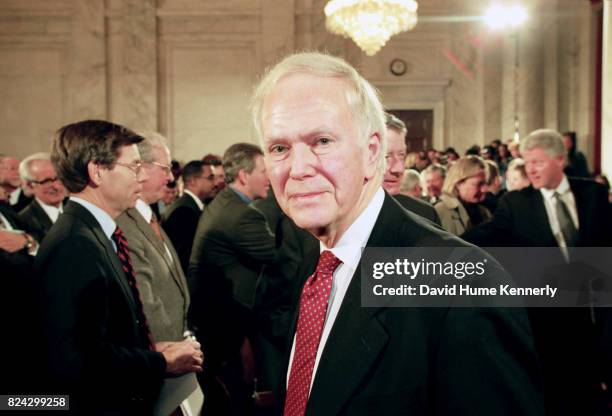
x: 170, y: 195
x: 204, y: 185
x: 472, y: 190
x: 257, y: 181
x: 434, y: 182
x: 543, y: 170
x: 45, y: 185
x: 396, y: 155
x: 9, y: 172
x: 159, y: 173
x: 219, y: 177
x: 567, y: 142
x: 121, y: 186
x: 317, y: 167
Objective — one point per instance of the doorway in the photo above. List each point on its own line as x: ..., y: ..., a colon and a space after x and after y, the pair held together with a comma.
x: 420, y: 128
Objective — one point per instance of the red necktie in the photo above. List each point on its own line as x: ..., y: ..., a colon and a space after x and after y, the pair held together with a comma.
x: 155, y: 225
x: 126, y: 263
x: 313, y: 308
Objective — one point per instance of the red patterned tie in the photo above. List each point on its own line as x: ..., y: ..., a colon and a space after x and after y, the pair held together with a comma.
x: 126, y: 262
x: 313, y: 308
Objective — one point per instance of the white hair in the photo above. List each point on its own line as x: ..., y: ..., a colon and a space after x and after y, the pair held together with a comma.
x: 548, y: 140
x: 24, y: 167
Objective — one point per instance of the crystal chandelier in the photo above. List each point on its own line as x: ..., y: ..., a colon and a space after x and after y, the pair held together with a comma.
x: 370, y: 23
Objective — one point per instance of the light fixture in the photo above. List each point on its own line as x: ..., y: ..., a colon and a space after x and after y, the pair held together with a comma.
x: 500, y: 16
x: 370, y: 23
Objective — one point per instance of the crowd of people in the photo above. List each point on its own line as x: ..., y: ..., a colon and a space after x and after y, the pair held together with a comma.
x: 124, y: 268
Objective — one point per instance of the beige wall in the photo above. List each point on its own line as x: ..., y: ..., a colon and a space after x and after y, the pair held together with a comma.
x: 187, y: 67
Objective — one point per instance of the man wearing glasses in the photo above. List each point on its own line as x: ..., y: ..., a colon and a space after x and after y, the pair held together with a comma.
x: 39, y: 176
x: 97, y: 345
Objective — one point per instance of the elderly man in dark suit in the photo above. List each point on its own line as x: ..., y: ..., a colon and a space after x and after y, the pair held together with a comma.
x: 556, y: 211
x: 39, y: 176
x: 392, y: 181
x: 96, y: 342
x: 232, y: 244
x: 11, y: 183
x: 323, y: 133
x: 181, y: 219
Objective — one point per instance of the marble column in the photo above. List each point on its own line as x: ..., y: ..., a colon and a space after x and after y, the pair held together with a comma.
x: 278, y: 30
x: 133, y: 67
x: 606, y: 91
x: 87, y: 74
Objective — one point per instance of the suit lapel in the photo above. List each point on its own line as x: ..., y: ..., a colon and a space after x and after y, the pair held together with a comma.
x: 41, y: 216
x: 540, y: 218
x: 77, y: 210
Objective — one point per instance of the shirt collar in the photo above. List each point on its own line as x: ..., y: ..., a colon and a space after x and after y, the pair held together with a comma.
x: 561, y: 189
x: 50, y: 210
x: 241, y: 195
x: 348, y: 249
x: 14, y: 196
x: 197, y: 200
x: 106, y: 222
x: 145, y: 210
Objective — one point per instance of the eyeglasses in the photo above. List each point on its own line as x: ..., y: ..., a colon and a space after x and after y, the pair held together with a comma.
x: 167, y: 169
x: 45, y: 181
x: 135, y: 167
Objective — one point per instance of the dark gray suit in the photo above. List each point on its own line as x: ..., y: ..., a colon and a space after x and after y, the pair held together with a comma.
x: 162, y: 283
x: 37, y: 219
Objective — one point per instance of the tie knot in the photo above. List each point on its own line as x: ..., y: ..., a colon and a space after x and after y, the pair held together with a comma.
x: 328, y: 262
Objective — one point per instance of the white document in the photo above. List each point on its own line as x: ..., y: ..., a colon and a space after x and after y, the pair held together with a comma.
x: 175, y: 391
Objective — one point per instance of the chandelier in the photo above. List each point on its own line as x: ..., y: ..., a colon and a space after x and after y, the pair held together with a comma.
x: 370, y: 23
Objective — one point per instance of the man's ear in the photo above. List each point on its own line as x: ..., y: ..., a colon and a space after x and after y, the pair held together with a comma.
x: 95, y: 173
x: 243, y: 177
x: 372, y: 154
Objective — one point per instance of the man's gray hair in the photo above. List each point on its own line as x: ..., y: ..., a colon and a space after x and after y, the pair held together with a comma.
x: 152, y: 140
x: 548, y: 140
x: 396, y: 124
x: 410, y: 179
x: 237, y: 157
x: 24, y: 166
x: 434, y: 168
x: 361, y: 96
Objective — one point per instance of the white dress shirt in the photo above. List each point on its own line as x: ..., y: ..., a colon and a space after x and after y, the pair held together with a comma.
x: 348, y: 250
x: 51, y: 211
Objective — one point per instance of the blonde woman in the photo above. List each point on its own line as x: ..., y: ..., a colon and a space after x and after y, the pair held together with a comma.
x: 463, y: 190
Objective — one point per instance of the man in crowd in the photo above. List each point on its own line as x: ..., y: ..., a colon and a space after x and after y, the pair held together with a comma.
x: 392, y: 181
x: 433, y: 178
x: 322, y: 129
x: 231, y: 246
x: 555, y: 211
x: 216, y: 165
x: 11, y: 182
x: 411, y: 184
x: 181, y: 219
x: 96, y: 342
x: 39, y: 176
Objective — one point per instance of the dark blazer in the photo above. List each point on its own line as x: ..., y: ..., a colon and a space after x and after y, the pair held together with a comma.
x: 22, y: 202
x: 161, y: 281
x: 92, y: 344
x: 15, y: 311
x: 180, y: 222
x: 231, y: 245
x: 420, y: 207
x: 565, y: 338
x: 521, y: 219
x: 422, y: 361
x: 37, y: 219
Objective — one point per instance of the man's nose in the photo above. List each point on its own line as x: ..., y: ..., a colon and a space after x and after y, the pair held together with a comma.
x: 302, y: 161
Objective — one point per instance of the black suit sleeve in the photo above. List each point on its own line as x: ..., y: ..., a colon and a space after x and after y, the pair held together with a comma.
x: 181, y: 227
x: 497, y: 231
x: 77, y: 301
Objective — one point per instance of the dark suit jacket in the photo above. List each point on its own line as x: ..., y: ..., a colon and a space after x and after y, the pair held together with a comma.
x: 422, y: 208
x: 231, y: 245
x: 161, y: 281
x: 22, y: 202
x: 37, y: 219
x: 92, y: 343
x: 15, y: 311
x: 422, y: 361
x: 180, y: 222
x: 565, y: 338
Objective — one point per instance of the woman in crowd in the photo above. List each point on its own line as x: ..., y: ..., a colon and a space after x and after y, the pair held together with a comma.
x: 516, y: 176
x: 463, y: 191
